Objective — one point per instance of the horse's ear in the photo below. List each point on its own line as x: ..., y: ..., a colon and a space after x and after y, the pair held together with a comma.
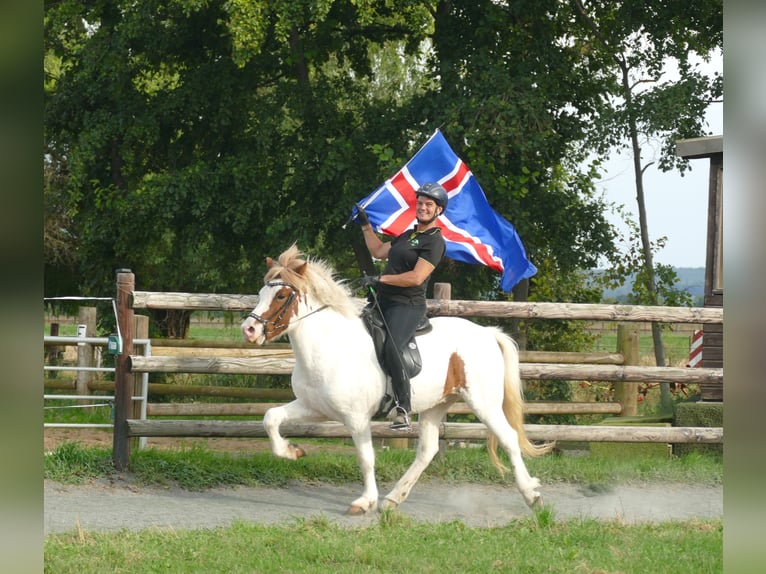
x: 269, y: 263
x: 302, y: 269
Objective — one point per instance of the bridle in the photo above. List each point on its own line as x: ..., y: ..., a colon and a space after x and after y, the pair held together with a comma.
x: 275, y: 323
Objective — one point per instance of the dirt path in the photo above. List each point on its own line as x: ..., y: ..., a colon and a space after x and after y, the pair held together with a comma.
x: 104, y: 506
x: 108, y: 505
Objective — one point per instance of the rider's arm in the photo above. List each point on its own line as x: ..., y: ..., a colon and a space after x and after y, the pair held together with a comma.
x: 410, y: 278
x: 378, y: 249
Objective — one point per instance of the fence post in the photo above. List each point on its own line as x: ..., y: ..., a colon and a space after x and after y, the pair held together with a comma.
x: 85, y: 316
x: 627, y: 393
x: 123, y: 380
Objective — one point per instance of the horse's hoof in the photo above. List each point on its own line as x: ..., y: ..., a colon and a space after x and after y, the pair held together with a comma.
x: 536, y: 502
x: 296, y: 451
x: 388, y: 504
x: 354, y: 510
x: 359, y: 509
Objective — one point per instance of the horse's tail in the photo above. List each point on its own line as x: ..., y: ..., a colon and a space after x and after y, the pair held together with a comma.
x: 513, y: 404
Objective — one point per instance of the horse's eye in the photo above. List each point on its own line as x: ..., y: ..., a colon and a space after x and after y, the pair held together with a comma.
x: 281, y: 297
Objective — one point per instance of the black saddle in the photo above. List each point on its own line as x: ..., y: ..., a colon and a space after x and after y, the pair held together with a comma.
x: 373, y: 320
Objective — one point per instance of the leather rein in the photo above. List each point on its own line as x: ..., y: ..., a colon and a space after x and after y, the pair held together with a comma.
x: 280, y: 313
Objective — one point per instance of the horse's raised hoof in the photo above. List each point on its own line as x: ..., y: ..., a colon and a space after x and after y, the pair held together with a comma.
x: 296, y: 452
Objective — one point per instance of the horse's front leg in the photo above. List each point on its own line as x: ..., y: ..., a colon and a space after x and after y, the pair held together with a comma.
x: 291, y: 412
x: 366, y: 457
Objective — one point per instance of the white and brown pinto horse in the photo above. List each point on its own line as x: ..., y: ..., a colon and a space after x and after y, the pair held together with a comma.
x: 337, y: 376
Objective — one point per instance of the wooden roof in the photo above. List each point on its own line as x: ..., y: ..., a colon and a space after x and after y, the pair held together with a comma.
x: 699, y: 147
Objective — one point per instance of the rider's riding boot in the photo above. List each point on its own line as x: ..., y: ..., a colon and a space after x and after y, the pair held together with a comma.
x: 400, y: 419
x: 399, y: 415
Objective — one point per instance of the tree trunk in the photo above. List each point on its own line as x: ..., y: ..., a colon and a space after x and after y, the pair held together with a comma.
x: 520, y: 293
x: 173, y: 323
x: 651, y: 288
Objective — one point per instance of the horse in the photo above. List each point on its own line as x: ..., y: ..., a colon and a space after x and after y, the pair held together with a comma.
x: 337, y: 376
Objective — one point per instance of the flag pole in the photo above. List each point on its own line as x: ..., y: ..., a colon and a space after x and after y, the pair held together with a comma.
x: 375, y: 195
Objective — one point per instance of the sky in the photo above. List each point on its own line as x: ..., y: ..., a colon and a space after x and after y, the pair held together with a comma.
x: 676, y: 205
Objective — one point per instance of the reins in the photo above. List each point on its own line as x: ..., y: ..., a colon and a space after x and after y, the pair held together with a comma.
x: 280, y: 313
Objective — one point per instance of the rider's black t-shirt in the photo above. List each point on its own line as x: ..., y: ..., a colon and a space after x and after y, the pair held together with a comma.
x: 405, y: 251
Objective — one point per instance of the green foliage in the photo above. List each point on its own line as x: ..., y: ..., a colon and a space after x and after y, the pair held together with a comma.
x: 631, y: 263
x: 192, y: 469
x: 71, y: 411
x: 510, y: 101
x: 193, y: 139
x: 187, y: 140
x: 633, y: 46
x: 698, y: 414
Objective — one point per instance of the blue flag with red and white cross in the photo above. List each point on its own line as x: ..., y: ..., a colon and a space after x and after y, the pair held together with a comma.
x: 472, y: 230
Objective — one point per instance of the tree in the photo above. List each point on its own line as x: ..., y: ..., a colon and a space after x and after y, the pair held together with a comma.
x: 513, y: 101
x: 195, y: 140
x: 638, y: 42
x: 191, y: 139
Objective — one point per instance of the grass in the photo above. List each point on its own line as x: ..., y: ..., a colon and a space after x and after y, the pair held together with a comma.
x: 71, y: 411
x: 398, y: 544
x: 676, y: 346
x: 72, y: 464
x: 213, y: 331
x: 393, y: 542
x: 198, y: 468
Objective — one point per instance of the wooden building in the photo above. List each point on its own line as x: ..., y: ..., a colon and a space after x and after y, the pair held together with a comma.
x: 712, y: 340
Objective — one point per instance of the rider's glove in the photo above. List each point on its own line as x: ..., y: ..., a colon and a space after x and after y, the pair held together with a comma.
x: 369, y: 281
x: 361, y: 215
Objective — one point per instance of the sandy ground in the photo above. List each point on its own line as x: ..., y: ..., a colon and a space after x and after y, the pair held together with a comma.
x: 117, y: 503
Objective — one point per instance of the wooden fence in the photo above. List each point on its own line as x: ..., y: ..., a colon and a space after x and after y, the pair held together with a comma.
x: 628, y: 376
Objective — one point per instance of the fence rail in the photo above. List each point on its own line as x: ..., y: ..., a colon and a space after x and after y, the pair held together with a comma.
x: 539, y: 371
x: 447, y: 431
x: 59, y: 341
x: 600, y: 367
x: 458, y: 308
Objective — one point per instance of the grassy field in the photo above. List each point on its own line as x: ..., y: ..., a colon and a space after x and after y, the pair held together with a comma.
x: 536, y: 543
x: 198, y: 467
x: 396, y: 544
x: 676, y: 347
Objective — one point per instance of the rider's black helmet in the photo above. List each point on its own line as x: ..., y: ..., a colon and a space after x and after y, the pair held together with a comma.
x: 435, y: 192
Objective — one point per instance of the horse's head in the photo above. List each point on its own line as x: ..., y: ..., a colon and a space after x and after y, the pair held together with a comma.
x: 294, y: 290
x: 277, y: 305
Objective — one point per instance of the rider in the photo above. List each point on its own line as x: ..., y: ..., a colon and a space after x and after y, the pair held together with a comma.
x: 401, y: 289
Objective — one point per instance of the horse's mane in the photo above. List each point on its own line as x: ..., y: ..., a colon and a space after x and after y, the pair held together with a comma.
x: 316, y: 278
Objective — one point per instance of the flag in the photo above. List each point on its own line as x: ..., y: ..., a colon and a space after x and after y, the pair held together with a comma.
x: 472, y: 230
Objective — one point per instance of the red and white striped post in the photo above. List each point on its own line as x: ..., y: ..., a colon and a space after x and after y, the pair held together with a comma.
x: 695, y: 351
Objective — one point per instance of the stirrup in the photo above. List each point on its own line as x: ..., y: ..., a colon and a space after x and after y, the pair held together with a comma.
x: 400, y: 420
